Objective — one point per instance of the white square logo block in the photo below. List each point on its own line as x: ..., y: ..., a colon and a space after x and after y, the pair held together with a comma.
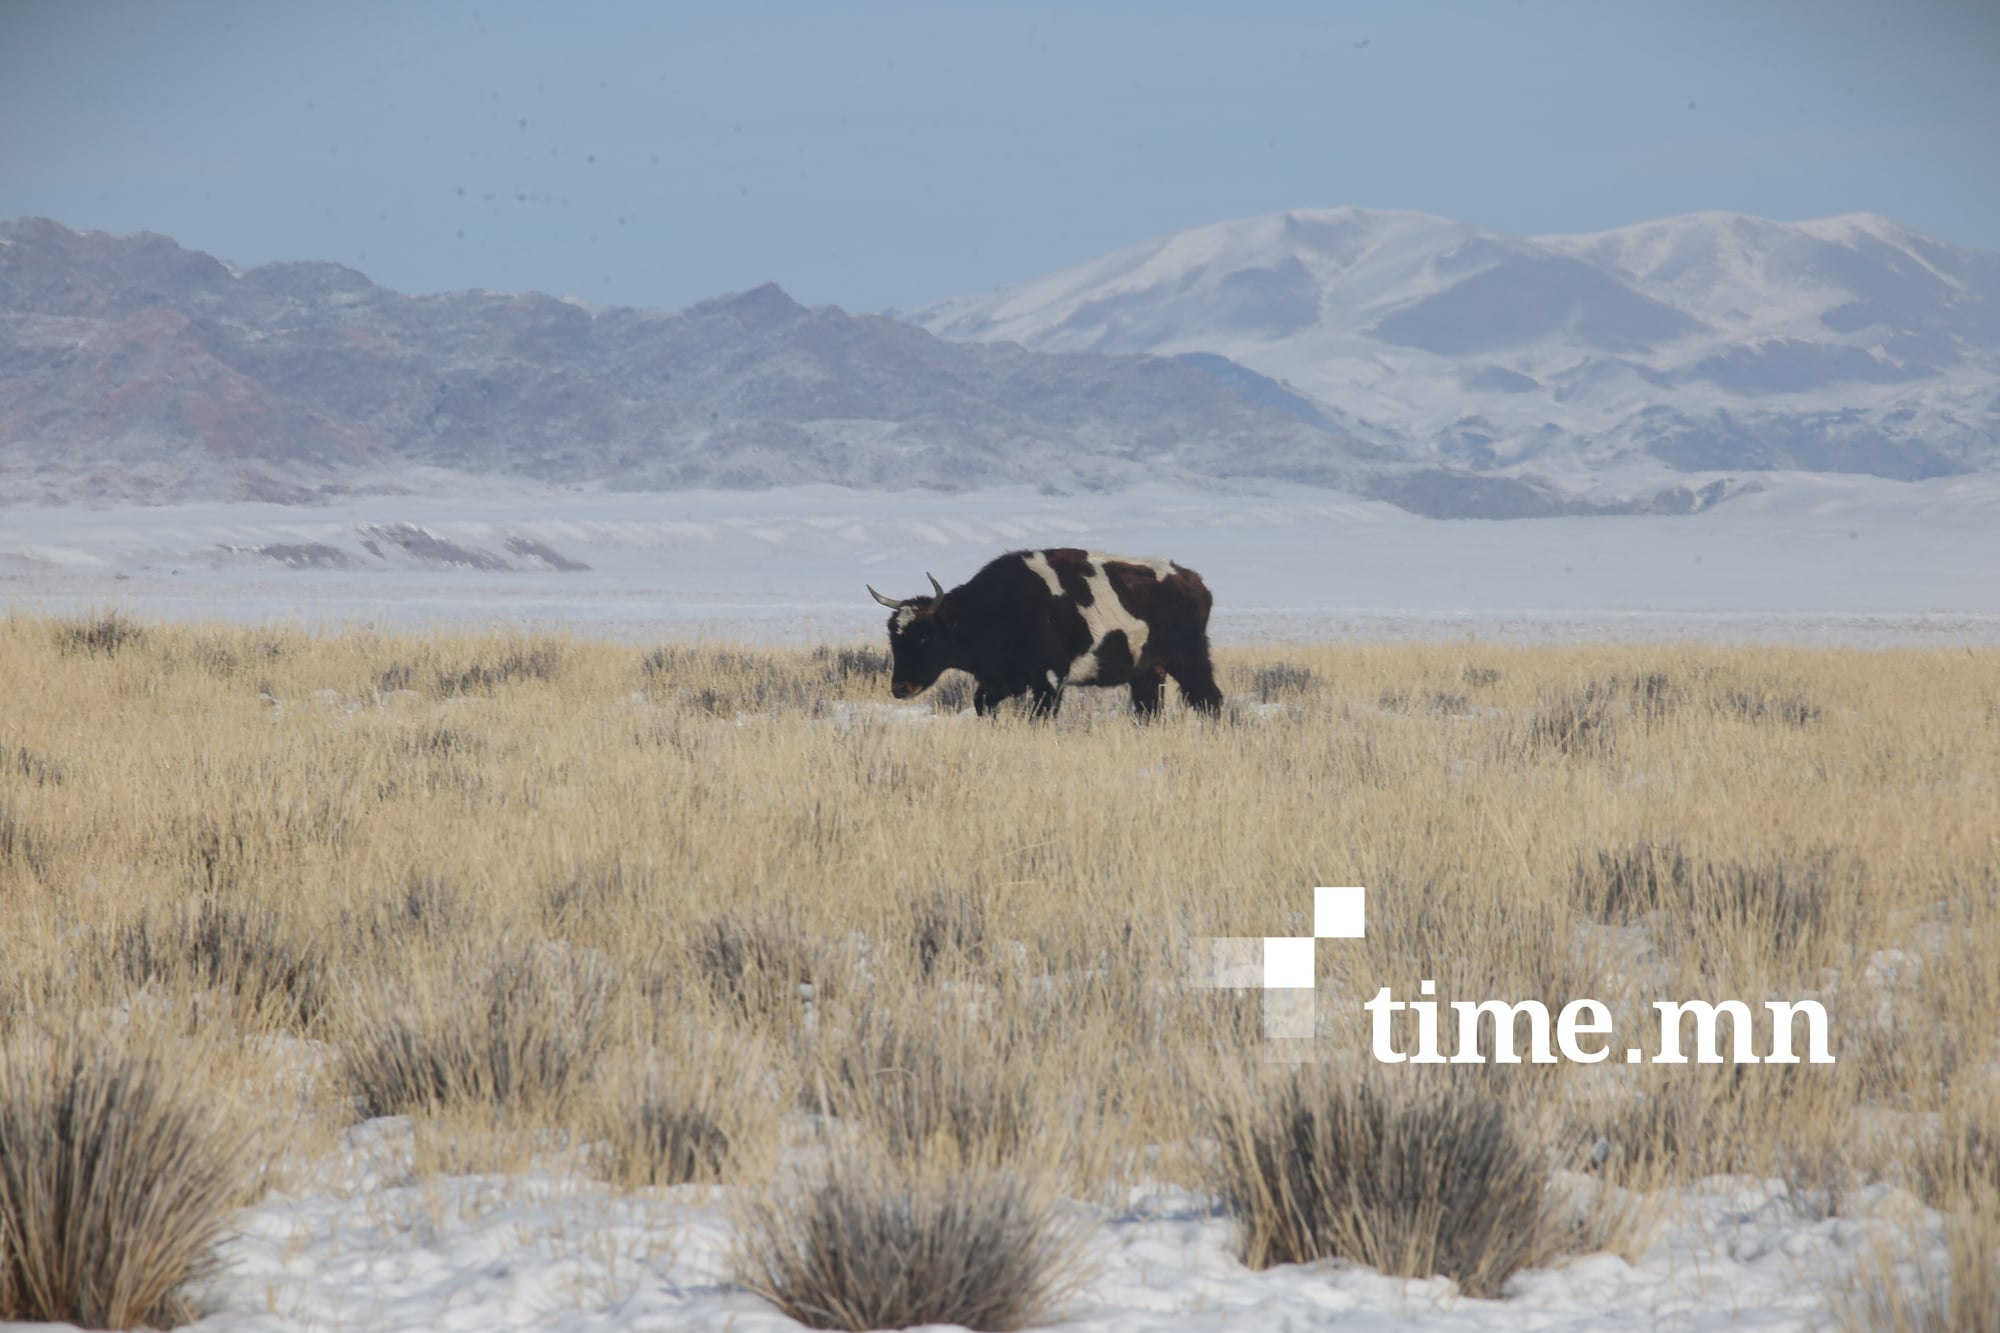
x: 1339, y: 914
x: 1288, y: 963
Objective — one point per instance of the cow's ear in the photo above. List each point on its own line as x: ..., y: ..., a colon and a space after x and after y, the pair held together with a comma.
x: 946, y: 615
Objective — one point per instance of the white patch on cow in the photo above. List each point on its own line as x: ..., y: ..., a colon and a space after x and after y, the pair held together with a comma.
x: 904, y: 617
x: 1039, y: 563
x: 1106, y: 614
x: 1055, y: 681
x: 1161, y: 567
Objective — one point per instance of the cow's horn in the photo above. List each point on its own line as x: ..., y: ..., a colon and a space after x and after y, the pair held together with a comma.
x: 889, y: 602
x: 934, y: 583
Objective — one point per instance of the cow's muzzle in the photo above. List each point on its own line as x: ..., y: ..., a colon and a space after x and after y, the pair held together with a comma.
x: 902, y: 689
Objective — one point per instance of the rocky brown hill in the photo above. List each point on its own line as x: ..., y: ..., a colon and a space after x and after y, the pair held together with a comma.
x: 131, y: 368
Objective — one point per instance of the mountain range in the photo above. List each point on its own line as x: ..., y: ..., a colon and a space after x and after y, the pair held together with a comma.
x: 133, y: 369
x: 1447, y: 369
x: 1695, y: 343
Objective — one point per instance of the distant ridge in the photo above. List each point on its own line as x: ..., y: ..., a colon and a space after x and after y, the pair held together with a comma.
x: 1710, y: 341
x: 133, y: 369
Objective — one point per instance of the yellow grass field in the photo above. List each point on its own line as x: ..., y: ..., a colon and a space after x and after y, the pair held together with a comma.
x: 671, y: 900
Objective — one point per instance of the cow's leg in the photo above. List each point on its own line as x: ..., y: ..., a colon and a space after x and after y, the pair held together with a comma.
x: 1146, y: 692
x: 1196, y: 677
x: 1048, y: 698
x: 987, y: 698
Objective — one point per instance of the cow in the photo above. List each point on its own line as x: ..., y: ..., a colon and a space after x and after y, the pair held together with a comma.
x: 1037, y: 621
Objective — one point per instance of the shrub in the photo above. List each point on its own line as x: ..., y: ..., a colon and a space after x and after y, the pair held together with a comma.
x: 726, y: 682
x: 426, y: 907
x: 523, y: 1035
x: 218, y: 851
x: 1676, y: 1132
x: 662, y: 1141
x: 536, y: 661
x: 245, y: 950
x: 116, y: 1182
x: 665, y: 1126
x: 20, y: 846
x: 105, y: 634
x: 590, y: 896
x: 1629, y: 883
x: 38, y: 769
x: 841, y: 665
x: 924, y: 1089
x: 759, y: 965
x: 1279, y: 680
x: 875, y: 1244
x: 1654, y: 695
x: 1573, y: 722
x: 1778, y: 905
x: 664, y: 664
x: 1761, y: 706
x: 1964, y: 1162
x: 1437, y: 701
x: 444, y: 743
x: 952, y: 694
x: 950, y: 930
x: 1412, y: 1184
x: 1780, y: 898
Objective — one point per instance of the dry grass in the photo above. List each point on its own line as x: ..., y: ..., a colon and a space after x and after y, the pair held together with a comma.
x: 1908, y: 1290
x: 519, y: 1030
x: 118, y: 1175
x: 518, y: 879
x: 1441, y: 1179
x: 871, y: 1243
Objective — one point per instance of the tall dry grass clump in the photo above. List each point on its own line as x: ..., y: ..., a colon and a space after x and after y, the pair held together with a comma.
x: 872, y: 1243
x: 925, y: 1083
x: 247, y: 951
x: 1441, y: 1179
x: 700, y: 1108
x: 519, y: 1032
x: 119, y: 1173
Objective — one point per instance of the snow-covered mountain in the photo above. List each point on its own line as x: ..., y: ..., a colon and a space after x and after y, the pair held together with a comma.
x: 1710, y: 341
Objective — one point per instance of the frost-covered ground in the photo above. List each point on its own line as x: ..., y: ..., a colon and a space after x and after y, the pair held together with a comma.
x: 373, y: 1247
x: 1811, y: 558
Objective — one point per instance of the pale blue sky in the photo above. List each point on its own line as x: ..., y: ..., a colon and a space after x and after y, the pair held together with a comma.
x: 878, y: 155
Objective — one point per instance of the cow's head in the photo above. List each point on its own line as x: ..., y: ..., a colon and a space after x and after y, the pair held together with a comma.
x: 920, y: 632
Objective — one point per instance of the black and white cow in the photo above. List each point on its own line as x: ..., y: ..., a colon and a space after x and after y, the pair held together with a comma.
x: 1035, y: 621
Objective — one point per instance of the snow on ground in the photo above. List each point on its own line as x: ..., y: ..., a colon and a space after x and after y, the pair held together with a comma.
x: 1812, y: 558
x: 379, y: 1248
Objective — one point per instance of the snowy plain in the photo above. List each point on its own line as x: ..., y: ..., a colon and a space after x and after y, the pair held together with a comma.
x: 370, y: 1245
x: 1811, y: 558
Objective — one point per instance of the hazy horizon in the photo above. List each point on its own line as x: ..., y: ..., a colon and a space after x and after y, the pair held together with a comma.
x: 888, y: 155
